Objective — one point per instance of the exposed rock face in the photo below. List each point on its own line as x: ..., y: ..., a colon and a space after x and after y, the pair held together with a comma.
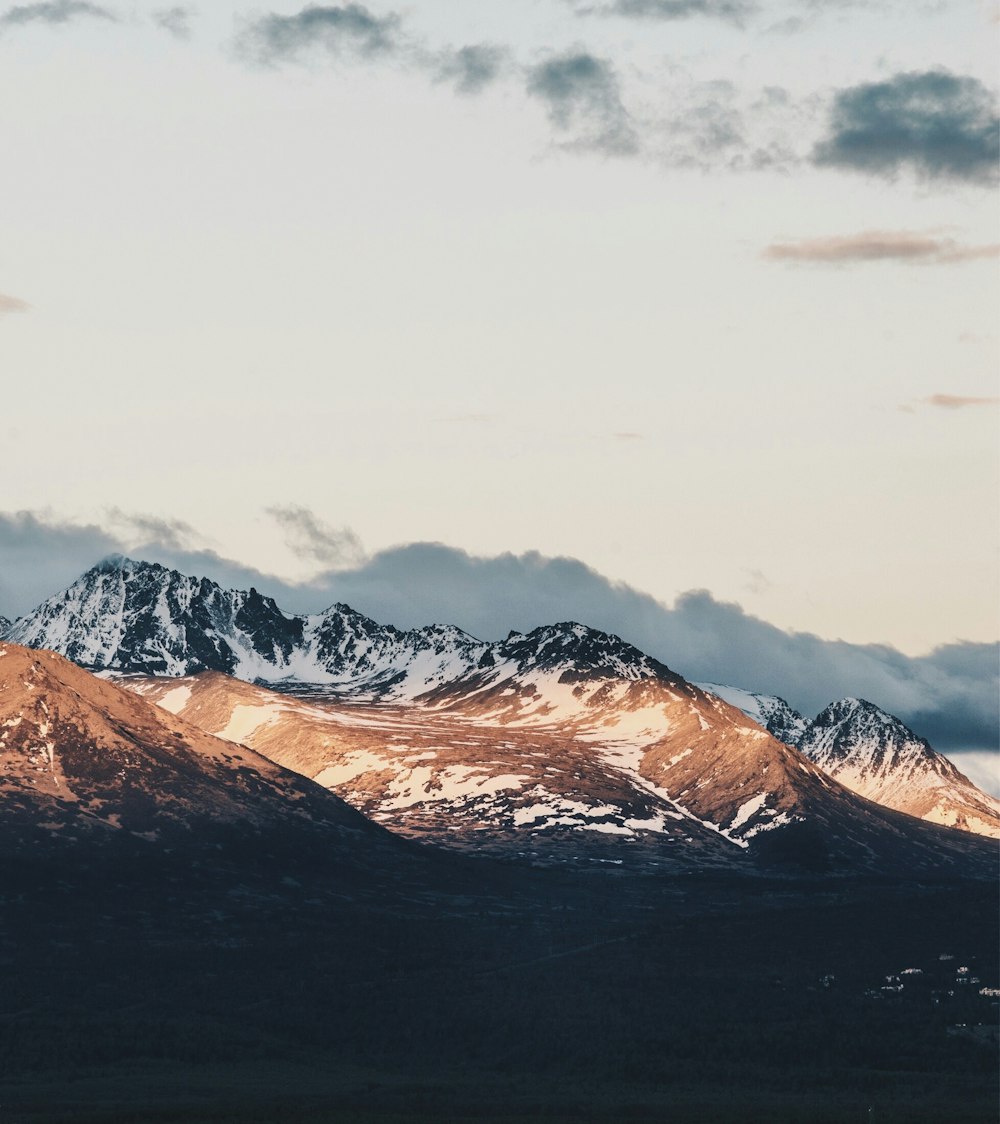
x: 141, y: 617
x: 874, y: 754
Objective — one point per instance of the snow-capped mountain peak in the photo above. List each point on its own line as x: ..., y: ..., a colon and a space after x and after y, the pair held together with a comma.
x: 857, y: 731
x: 876, y: 755
x: 141, y: 617
x: 134, y: 616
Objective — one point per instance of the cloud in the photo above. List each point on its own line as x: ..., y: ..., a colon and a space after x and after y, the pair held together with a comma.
x: 714, y: 126
x: 139, y: 529
x: 53, y: 11
x: 353, y: 30
x: 958, y: 402
x: 757, y: 581
x: 176, y: 21
x: 12, y: 304
x: 308, y: 538
x: 40, y: 555
x: 950, y: 696
x: 472, y: 68
x: 338, y: 29
x: 936, y: 124
x: 880, y: 245
x: 582, y: 97
x: 732, y: 11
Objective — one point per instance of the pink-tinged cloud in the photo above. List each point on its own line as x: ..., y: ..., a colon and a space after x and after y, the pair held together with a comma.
x: 958, y: 401
x: 12, y: 304
x: 880, y: 245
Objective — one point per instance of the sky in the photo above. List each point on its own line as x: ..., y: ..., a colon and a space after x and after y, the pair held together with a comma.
x: 697, y: 295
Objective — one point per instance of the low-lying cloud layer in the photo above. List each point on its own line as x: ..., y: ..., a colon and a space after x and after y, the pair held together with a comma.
x: 950, y: 696
x: 880, y: 245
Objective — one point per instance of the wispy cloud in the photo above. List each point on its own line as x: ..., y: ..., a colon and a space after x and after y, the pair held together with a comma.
x: 176, y: 21
x: 470, y: 69
x: 348, y: 29
x: 880, y: 245
x: 137, y: 528
x: 958, y: 401
x: 713, y: 125
x: 12, y: 304
x: 311, y: 539
x: 53, y: 11
x: 582, y: 97
x: 732, y: 11
x: 352, y: 31
x: 939, y: 125
x: 757, y: 581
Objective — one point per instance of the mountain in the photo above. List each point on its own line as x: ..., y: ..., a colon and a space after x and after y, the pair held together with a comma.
x: 142, y: 617
x: 769, y: 711
x: 85, y: 763
x: 564, y: 743
x: 646, y: 773
x: 4, y: 626
x: 511, y: 781
x: 876, y: 755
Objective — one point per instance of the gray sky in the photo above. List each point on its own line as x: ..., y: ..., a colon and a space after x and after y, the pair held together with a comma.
x: 700, y: 292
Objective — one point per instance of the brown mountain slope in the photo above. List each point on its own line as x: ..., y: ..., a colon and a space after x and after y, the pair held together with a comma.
x: 455, y: 779
x: 645, y: 771
x: 81, y: 758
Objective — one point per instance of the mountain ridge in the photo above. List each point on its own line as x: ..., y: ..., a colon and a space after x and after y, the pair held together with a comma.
x: 655, y: 745
x: 876, y: 755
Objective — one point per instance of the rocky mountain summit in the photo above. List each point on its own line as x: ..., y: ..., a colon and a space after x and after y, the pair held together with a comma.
x: 141, y: 617
x: 876, y: 755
